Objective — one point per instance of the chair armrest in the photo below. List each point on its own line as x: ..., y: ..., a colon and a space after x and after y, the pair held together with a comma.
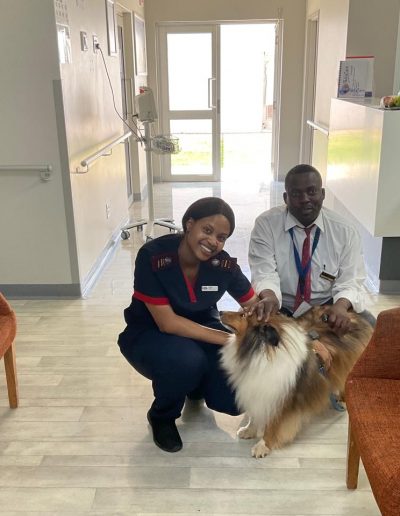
x: 5, y: 308
x: 381, y: 358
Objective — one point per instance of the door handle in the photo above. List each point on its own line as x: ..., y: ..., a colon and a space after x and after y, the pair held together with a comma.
x: 211, y: 80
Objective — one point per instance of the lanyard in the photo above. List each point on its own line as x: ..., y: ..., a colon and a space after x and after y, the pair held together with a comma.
x: 300, y: 269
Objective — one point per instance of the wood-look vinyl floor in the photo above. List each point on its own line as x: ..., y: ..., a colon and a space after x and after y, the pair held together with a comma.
x: 80, y: 444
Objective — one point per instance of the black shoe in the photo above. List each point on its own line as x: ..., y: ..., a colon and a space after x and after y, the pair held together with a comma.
x: 195, y: 395
x: 165, y: 434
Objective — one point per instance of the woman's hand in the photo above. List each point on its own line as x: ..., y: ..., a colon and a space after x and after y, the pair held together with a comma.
x: 265, y: 306
x: 169, y: 322
x: 338, y: 316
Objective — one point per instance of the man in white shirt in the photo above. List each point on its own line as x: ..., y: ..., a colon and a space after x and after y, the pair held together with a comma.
x: 333, y: 270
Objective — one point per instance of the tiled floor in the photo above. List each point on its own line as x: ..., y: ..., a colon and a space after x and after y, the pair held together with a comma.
x: 79, y: 443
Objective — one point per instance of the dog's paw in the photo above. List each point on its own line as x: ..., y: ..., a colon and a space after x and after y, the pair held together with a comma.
x: 260, y: 450
x: 246, y: 432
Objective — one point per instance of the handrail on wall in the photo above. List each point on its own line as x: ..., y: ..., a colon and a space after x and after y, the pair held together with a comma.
x: 321, y: 128
x: 104, y: 151
x: 46, y: 171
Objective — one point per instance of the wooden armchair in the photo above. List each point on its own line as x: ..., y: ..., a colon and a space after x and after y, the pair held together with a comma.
x: 373, y: 404
x: 8, y: 328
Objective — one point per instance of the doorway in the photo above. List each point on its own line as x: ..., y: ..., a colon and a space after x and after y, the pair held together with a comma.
x: 247, y: 100
x: 310, y: 79
x: 217, y: 94
x: 125, y: 53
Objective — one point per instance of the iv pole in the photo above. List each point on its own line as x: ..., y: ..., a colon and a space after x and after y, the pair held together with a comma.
x: 151, y: 221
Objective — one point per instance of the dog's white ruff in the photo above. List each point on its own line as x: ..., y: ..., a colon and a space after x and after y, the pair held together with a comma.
x: 262, y: 382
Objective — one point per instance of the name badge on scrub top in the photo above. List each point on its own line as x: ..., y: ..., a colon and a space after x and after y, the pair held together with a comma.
x: 209, y: 288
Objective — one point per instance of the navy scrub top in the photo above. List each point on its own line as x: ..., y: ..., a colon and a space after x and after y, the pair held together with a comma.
x: 159, y: 280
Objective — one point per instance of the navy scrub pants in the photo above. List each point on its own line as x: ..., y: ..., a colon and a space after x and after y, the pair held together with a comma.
x: 177, y: 367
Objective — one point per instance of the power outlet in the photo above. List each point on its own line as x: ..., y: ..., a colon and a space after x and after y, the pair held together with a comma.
x: 84, y: 41
x: 95, y: 43
x: 108, y: 210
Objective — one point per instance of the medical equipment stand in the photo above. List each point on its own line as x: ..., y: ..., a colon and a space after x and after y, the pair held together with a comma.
x: 151, y: 221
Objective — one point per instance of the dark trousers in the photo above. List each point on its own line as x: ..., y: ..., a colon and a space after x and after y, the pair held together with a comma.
x: 177, y: 367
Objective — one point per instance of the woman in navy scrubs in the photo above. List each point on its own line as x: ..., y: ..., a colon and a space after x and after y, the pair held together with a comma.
x: 173, y: 333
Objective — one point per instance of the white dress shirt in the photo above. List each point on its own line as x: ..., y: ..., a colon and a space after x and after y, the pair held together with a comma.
x: 338, y: 253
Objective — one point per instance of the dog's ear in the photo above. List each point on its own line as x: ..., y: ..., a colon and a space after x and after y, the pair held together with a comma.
x: 269, y: 334
x: 257, y: 337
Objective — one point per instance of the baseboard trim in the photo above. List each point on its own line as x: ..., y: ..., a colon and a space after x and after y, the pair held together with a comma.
x: 140, y: 196
x: 94, y: 273
x: 67, y: 291
x: 56, y: 291
x: 389, y: 286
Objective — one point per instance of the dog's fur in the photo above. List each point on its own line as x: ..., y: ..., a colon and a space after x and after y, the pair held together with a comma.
x: 277, y: 375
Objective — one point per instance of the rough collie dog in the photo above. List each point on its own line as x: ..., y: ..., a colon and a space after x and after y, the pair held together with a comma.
x: 277, y: 376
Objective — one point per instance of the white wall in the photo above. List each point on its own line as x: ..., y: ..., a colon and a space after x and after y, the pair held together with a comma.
x: 91, y: 123
x: 396, y: 79
x: 293, y: 14
x: 332, y: 36
x: 373, y: 30
x: 352, y: 27
x: 331, y: 49
x: 34, y: 237
x: 54, y: 234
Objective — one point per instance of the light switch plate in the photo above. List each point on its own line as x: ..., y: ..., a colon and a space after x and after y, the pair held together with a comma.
x: 95, y: 42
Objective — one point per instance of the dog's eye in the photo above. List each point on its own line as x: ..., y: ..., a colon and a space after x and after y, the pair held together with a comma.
x: 243, y: 315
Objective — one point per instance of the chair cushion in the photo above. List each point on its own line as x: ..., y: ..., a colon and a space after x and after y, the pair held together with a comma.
x: 374, y: 411
x: 7, y: 333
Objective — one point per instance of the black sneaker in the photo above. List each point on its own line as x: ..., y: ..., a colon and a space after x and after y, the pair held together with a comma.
x: 165, y: 434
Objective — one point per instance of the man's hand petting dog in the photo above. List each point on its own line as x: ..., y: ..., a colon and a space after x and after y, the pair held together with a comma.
x: 267, y: 305
x: 338, y: 316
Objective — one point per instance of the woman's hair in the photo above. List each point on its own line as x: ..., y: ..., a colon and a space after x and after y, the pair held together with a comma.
x: 207, y: 207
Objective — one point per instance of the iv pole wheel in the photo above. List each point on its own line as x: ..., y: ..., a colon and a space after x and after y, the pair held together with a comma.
x: 125, y: 235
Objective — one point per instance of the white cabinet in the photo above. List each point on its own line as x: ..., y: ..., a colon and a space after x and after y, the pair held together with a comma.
x: 363, y: 163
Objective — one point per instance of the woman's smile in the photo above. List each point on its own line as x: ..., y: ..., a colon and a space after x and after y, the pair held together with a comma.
x: 207, y: 249
x: 205, y: 237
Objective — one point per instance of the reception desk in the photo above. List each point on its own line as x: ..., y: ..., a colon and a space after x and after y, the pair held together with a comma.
x: 363, y: 174
x: 364, y: 163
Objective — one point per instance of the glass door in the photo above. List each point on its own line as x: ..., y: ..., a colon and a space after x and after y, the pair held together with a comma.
x: 190, y: 101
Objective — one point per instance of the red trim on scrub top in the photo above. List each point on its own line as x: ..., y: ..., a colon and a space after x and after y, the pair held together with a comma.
x: 189, y: 286
x: 247, y: 296
x: 151, y: 300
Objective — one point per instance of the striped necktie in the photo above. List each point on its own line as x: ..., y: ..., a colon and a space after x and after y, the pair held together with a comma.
x: 305, y: 258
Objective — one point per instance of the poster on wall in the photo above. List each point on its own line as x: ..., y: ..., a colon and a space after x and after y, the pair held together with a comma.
x: 140, y: 46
